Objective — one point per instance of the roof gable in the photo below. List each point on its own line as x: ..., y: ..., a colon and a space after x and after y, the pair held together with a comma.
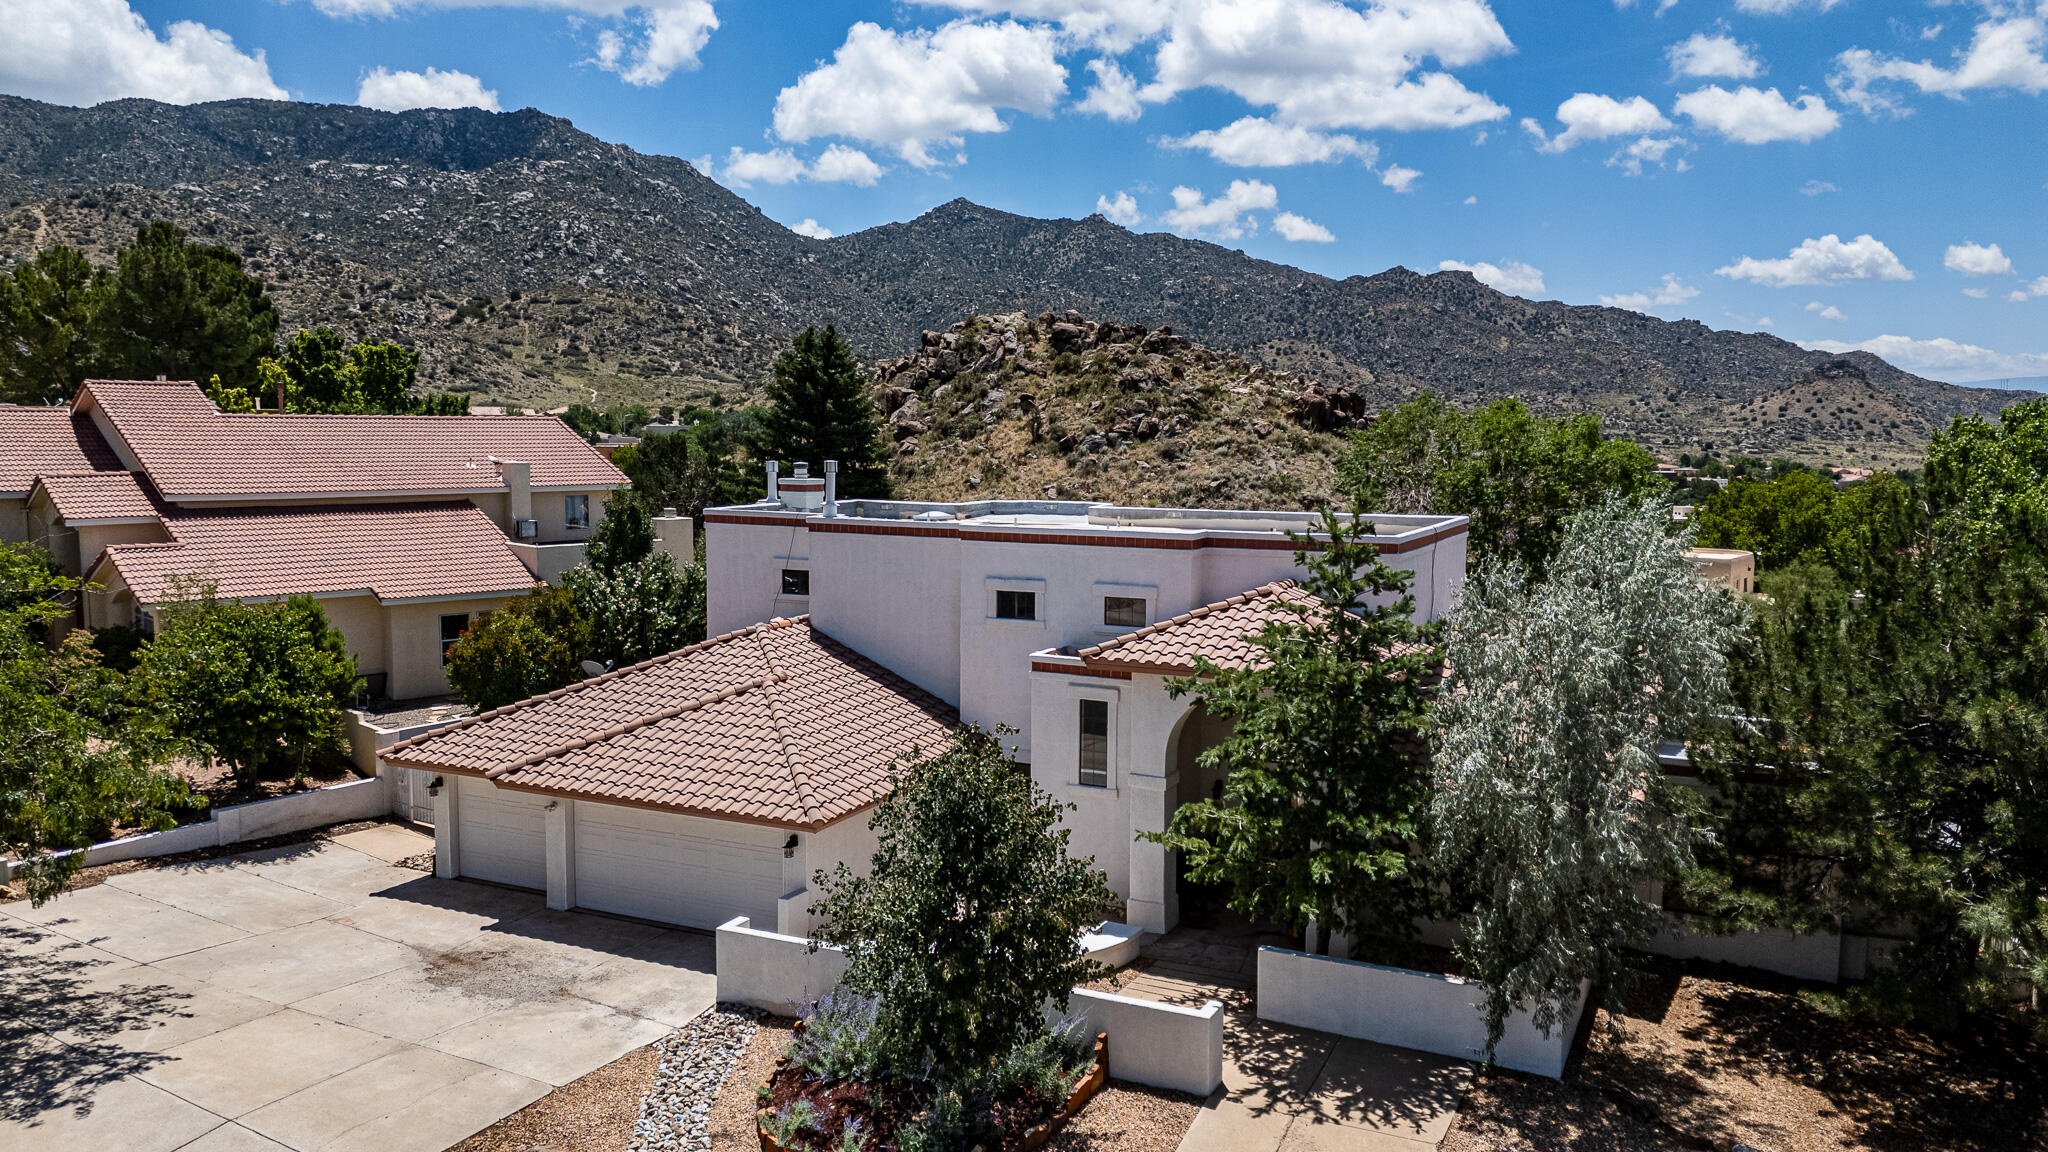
x: 97, y: 497
x: 48, y: 441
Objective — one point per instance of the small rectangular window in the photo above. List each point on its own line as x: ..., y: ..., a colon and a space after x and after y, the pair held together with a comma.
x: 796, y: 581
x: 1123, y: 611
x: 1012, y: 605
x: 576, y: 511
x: 1095, y: 743
x: 452, y: 628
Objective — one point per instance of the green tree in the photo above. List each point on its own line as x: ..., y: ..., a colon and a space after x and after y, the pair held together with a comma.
x: 623, y: 536
x: 46, y: 311
x: 70, y: 769
x: 1326, y: 787
x: 259, y: 686
x: 696, y: 469
x: 1785, y: 520
x: 1550, y: 808
x: 639, y: 602
x: 819, y: 409
x: 967, y: 924
x: 587, y: 422
x: 183, y: 310
x: 383, y: 375
x: 1516, y: 474
x: 319, y: 370
x: 534, y: 644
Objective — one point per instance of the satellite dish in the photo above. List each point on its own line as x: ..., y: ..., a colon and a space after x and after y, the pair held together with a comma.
x: 593, y: 668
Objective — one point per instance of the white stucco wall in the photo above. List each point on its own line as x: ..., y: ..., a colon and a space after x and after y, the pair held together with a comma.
x: 743, y: 566
x: 893, y: 599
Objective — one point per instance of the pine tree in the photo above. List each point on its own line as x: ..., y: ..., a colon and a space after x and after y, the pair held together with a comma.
x: 183, y: 310
x: 46, y: 311
x: 819, y: 409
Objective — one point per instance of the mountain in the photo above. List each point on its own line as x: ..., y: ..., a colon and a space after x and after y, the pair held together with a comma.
x: 533, y: 263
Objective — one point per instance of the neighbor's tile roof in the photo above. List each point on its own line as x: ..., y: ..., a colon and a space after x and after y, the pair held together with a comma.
x: 774, y: 724
x: 191, y: 449
x: 45, y: 441
x: 85, y: 497
x: 1223, y: 632
x: 394, y: 551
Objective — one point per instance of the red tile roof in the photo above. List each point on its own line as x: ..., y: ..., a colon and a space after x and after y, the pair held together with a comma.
x: 1222, y: 632
x: 39, y: 441
x: 97, y: 497
x: 394, y: 551
x: 774, y: 724
x: 191, y: 450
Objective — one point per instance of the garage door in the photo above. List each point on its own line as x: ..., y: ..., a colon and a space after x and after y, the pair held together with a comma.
x: 676, y: 869
x: 502, y: 834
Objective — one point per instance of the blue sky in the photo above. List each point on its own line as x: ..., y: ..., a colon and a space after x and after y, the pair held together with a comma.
x: 1838, y: 172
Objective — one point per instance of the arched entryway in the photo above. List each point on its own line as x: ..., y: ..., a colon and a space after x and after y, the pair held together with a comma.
x: 1197, y: 732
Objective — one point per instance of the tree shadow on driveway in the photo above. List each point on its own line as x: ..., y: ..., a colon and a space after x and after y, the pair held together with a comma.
x: 47, y: 986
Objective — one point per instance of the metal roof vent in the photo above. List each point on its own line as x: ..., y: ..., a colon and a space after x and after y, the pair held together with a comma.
x: 933, y: 516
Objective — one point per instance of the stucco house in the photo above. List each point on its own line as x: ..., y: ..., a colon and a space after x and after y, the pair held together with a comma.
x: 406, y: 528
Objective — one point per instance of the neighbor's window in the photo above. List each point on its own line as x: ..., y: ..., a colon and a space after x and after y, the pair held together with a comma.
x: 576, y: 511
x: 452, y: 628
x: 1016, y: 605
x: 1123, y: 611
x: 1095, y: 743
x: 796, y: 581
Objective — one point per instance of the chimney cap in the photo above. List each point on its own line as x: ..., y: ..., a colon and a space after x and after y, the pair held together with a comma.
x: 803, y: 469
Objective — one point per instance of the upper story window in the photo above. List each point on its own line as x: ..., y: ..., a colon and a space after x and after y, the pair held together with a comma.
x: 576, y: 510
x: 452, y: 628
x: 1015, y: 605
x: 1094, y: 750
x: 796, y: 581
x: 1123, y: 611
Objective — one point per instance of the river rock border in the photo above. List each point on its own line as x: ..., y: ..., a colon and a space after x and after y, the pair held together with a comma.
x: 695, y: 1060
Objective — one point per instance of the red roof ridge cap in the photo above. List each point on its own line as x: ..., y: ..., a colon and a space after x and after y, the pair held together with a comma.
x: 1271, y: 588
x: 799, y: 775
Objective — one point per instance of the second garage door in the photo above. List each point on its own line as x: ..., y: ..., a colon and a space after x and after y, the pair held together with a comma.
x: 676, y: 869
x: 503, y: 834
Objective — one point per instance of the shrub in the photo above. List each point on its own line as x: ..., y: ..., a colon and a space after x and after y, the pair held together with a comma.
x: 534, y: 644
x: 840, y: 1040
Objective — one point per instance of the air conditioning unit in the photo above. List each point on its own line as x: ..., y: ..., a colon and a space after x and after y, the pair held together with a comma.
x: 528, y: 529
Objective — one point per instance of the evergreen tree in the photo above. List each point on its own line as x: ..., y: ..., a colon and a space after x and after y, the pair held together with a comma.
x: 638, y: 602
x: 183, y: 310
x: 46, y: 311
x: 534, y: 644
x: 819, y: 409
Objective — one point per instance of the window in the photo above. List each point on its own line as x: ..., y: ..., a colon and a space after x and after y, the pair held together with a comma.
x: 1013, y: 605
x: 1123, y: 611
x: 576, y: 511
x: 1095, y: 743
x: 452, y: 628
x: 796, y: 581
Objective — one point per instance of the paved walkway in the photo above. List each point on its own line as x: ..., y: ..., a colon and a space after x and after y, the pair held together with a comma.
x: 315, y: 997
x: 1291, y: 1089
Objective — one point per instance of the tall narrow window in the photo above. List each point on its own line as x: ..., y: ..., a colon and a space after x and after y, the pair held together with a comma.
x: 1095, y: 743
x: 576, y: 510
x: 1123, y: 611
x: 1016, y: 605
x: 796, y: 581
x: 452, y: 628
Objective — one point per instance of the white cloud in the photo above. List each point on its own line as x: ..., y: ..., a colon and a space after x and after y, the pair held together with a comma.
x: 1590, y: 116
x: 397, y: 91
x: 1301, y: 228
x: 1256, y: 142
x: 811, y: 228
x: 1942, y: 358
x: 2005, y: 52
x: 1827, y: 260
x: 85, y: 51
x: 1973, y: 259
x: 913, y: 90
x: 643, y: 41
x: 1703, y: 57
x: 1781, y: 7
x: 1114, y: 25
x: 1758, y: 116
x: 2037, y: 287
x: 1670, y: 294
x: 1825, y: 311
x: 1512, y: 276
x: 1227, y: 217
x: 1471, y: 200
x: 1976, y: 293
x: 1115, y: 94
x: 1120, y: 209
x: 1649, y: 150
x: 1398, y: 178
x: 839, y: 164
x: 1817, y: 188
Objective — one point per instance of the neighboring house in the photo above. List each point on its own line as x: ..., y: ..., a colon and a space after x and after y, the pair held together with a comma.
x: 1731, y: 568
x: 406, y: 528
x: 698, y: 786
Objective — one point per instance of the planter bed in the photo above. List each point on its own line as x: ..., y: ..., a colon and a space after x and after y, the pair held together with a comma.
x: 881, y: 1115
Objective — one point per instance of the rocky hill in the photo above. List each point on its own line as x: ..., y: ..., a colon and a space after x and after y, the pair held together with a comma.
x: 535, y: 264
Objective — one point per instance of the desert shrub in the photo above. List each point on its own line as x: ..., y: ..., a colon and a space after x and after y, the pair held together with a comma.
x: 840, y: 1040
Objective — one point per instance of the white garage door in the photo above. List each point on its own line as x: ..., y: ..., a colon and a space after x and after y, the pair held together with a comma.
x: 502, y: 833
x: 676, y: 869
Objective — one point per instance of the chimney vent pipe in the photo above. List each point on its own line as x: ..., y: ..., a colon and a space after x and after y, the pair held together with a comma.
x: 774, y: 478
x: 831, y: 487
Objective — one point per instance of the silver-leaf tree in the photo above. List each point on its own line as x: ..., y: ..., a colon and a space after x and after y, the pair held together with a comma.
x: 1550, y: 808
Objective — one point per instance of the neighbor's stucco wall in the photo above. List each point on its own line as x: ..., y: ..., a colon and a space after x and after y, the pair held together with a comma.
x: 360, y: 620
x: 13, y: 520
x: 413, y: 643
x: 93, y: 539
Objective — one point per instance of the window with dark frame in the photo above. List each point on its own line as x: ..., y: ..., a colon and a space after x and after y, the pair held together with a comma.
x: 452, y: 628
x: 1123, y: 611
x: 576, y: 511
x: 1013, y: 605
x: 796, y: 581
x: 1095, y: 743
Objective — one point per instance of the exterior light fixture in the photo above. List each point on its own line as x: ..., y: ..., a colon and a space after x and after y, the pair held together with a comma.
x: 789, y: 847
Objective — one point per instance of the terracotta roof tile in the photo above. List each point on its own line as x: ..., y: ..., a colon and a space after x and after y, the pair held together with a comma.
x: 191, y: 449
x: 89, y: 497
x: 395, y: 551
x: 1222, y: 632
x: 774, y: 724
x: 40, y: 441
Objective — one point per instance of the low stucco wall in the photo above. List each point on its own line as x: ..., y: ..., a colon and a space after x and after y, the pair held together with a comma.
x: 1423, y: 1010
x: 1164, y: 1045
x: 1817, y: 956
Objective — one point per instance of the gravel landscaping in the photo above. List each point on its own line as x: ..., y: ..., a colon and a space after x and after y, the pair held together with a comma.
x: 695, y: 1063
x: 593, y: 1114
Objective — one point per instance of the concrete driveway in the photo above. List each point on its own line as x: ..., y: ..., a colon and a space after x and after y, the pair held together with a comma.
x: 315, y: 997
